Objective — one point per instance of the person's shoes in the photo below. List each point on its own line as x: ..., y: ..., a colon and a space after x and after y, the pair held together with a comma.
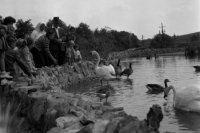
x: 5, y: 75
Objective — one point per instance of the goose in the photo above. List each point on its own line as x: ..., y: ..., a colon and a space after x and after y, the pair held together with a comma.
x: 156, y: 88
x: 118, y: 68
x: 104, y: 72
x: 197, y: 68
x: 103, y: 94
x: 186, y: 99
x: 148, y: 57
x: 128, y: 71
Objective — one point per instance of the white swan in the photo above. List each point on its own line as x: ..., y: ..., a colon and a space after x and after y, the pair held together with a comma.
x: 103, y: 71
x: 187, y: 99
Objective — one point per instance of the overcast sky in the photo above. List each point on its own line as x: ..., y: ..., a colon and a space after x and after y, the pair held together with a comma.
x: 141, y: 17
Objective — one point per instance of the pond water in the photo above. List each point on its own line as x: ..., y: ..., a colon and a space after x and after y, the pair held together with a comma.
x: 131, y: 93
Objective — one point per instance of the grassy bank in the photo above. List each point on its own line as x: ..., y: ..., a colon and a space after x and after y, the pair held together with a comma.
x: 146, y: 52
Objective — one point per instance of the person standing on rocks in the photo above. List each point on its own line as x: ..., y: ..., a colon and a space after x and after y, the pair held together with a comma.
x: 38, y: 32
x: 77, y: 54
x: 57, y: 45
x: 70, y: 53
x: 3, y: 49
x: 9, y: 22
x: 24, y: 51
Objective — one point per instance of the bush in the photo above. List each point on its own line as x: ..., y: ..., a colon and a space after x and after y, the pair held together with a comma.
x: 23, y: 28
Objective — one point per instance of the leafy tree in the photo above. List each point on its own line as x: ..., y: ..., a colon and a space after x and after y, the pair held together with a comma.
x: 83, y: 30
x: 162, y: 41
x: 194, y: 37
x: 103, y: 40
x: 23, y: 28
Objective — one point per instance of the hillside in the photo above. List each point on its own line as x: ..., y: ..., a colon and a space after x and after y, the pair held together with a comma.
x: 179, y: 40
x: 187, y: 37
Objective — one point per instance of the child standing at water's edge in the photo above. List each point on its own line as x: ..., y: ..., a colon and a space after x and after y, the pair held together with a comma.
x: 70, y: 53
x: 77, y: 56
x: 24, y: 51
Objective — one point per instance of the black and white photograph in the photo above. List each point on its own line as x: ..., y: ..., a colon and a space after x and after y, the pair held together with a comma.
x: 99, y: 66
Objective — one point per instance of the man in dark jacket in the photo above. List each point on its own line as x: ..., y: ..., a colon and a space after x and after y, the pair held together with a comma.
x: 57, y: 45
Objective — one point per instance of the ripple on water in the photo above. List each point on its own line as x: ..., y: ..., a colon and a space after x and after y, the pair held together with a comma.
x: 178, y: 70
x: 131, y: 94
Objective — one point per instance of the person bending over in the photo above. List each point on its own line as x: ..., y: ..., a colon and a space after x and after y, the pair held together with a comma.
x: 41, y: 53
x: 12, y: 56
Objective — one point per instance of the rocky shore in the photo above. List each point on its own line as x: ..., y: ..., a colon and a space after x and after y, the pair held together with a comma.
x: 44, y: 106
x: 138, y: 52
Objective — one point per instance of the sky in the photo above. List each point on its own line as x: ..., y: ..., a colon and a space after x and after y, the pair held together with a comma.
x: 140, y: 17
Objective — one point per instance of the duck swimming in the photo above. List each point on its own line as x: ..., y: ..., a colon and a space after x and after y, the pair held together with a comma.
x: 156, y: 88
x: 197, y: 68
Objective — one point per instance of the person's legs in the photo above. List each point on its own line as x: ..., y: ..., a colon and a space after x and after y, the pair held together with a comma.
x: 3, y: 73
x: 38, y: 58
x: 2, y: 61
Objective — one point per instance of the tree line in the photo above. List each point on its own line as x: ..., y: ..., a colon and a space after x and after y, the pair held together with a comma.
x: 103, y: 40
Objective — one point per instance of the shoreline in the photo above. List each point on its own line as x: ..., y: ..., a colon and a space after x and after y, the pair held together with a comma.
x: 130, y: 53
x: 46, y: 106
x: 172, y: 54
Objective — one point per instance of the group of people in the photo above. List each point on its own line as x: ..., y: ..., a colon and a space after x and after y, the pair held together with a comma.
x: 42, y: 47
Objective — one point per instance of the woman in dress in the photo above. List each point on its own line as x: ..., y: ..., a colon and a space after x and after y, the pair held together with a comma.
x: 38, y: 32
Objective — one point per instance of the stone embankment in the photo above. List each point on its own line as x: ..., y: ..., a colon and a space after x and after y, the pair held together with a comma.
x: 43, y: 105
x: 138, y: 52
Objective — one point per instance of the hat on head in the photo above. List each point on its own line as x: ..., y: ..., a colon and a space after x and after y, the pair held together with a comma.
x: 56, y: 19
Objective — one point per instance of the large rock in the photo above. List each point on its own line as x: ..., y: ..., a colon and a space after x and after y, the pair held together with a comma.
x: 66, y: 121
x: 45, y: 105
x: 100, y: 126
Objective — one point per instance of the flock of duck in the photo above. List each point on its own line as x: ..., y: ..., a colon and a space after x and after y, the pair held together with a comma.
x: 187, y: 99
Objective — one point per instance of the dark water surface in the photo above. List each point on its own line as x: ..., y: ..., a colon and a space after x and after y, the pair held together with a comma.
x: 131, y: 93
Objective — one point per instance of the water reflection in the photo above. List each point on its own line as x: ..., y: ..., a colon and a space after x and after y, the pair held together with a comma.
x: 178, y: 70
x: 128, y: 82
x: 9, y: 122
x: 131, y: 93
x: 188, y: 120
x: 160, y: 63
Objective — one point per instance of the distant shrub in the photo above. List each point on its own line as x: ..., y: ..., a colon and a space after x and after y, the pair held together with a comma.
x: 23, y: 28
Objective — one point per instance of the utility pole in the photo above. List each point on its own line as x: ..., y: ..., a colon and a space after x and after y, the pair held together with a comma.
x: 162, y: 29
x: 162, y: 32
x: 142, y: 40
